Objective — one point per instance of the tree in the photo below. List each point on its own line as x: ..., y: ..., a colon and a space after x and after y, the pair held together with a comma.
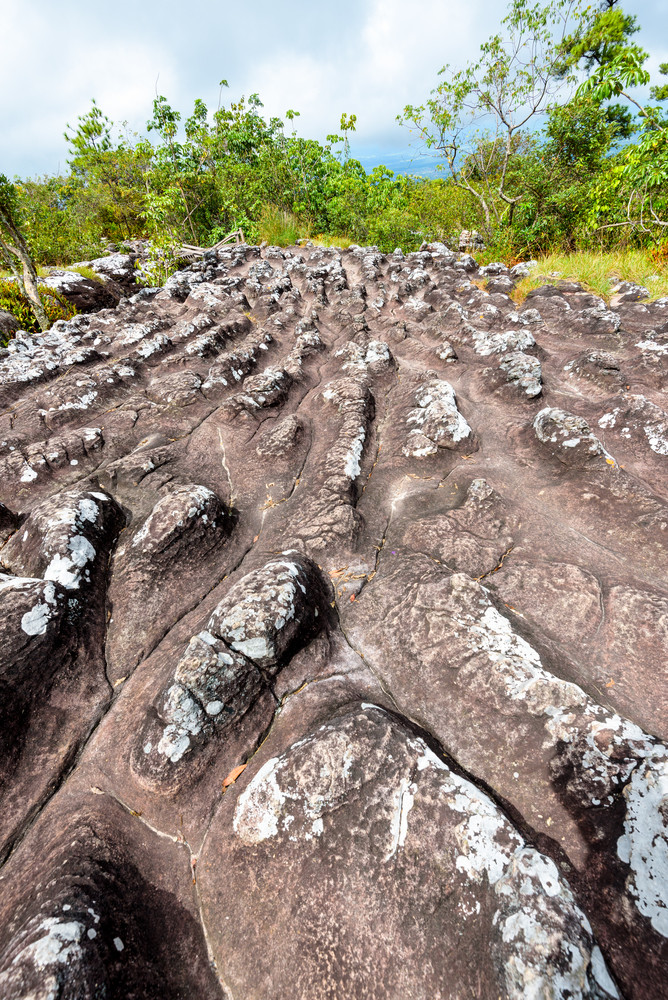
x: 109, y: 171
x: 477, y: 115
x: 558, y: 175
x: 639, y: 174
x: 603, y: 39
x: 14, y: 250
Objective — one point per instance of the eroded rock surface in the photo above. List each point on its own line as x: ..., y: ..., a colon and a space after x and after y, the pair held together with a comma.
x: 333, y: 636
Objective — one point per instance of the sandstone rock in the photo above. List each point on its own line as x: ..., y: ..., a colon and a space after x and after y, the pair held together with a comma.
x: 435, y: 422
x: 362, y: 824
x: 597, y: 367
x: 523, y: 269
x: 569, y: 437
x: 628, y: 291
x: 8, y: 523
x: 524, y: 371
x: 321, y: 675
x: 85, y: 294
x: 470, y: 240
x: 8, y: 325
x: 266, y: 613
x: 117, y: 267
x: 98, y: 916
x: 182, y: 535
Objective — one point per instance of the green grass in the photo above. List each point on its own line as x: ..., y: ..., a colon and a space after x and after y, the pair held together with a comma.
x: 599, y: 272
x: 42, y: 272
x: 279, y: 228
x: 325, y: 240
x: 282, y: 229
x: 86, y: 272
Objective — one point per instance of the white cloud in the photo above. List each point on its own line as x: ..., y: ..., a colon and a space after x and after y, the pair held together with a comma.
x: 49, y: 73
x: 365, y: 57
x: 392, y: 61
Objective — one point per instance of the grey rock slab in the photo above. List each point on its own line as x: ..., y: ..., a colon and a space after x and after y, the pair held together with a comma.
x: 524, y: 372
x: 377, y: 524
x: 435, y: 422
x: 459, y: 667
x: 568, y: 437
x: 357, y: 825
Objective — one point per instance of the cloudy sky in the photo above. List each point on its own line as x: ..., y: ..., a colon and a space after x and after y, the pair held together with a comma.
x: 367, y: 57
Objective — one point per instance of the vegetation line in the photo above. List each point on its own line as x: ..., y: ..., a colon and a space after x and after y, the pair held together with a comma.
x: 546, y: 145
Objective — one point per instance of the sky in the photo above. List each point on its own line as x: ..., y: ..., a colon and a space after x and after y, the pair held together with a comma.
x: 363, y: 57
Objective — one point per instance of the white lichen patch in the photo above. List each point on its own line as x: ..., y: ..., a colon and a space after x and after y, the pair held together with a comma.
x: 436, y: 422
x: 254, y: 617
x: 256, y: 648
x: 485, y: 343
x: 376, y: 356
x: 184, y: 719
x: 404, y: 797
x: 351, y: 466
x: 524, y: 371
x: 608, y: 419
x: 68, y: 569
x: 275, y: 802
x: 58, y: 945
x: 36, y: 621
x: 549, y: 949
x: 28, y: 475
x: 644, y: 844
x: 81, y: 402
x: 655, y: 346
x: 514, y: 669
x: 66, y: 544
x: 259, y: 807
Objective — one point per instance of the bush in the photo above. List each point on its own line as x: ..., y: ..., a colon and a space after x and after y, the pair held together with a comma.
x: 59, y: 222
x: 395, y: 227
x: 12, y: 301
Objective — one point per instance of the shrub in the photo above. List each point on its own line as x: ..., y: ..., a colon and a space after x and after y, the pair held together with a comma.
x: 395, y: 227
x: 12, y: 301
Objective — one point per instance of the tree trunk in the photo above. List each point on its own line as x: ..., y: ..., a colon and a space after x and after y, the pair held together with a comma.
x: 28, y: 279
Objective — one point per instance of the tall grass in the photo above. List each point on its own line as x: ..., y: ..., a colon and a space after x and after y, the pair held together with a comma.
x: 331, y: 240
x: 86, y: 272
x: 600, y: 272
x: 278, y: 227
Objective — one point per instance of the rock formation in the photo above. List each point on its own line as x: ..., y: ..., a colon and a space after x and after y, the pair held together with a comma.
x: 333, y: 637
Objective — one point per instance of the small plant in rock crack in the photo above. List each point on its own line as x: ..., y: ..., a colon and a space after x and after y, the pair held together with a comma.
x: 161, y: 262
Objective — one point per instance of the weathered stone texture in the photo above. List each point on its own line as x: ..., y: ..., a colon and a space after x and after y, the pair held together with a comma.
x: 333, y: 636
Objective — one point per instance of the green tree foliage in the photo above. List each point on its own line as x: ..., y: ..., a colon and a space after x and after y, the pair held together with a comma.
x: 106, y: 174
x: 601, y: 41
x: 557, y: 175
x: 532, y: 160
x: 477, y: 115
x: 637, y: 177
x: 600, y: 162
x: 16, y: 253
